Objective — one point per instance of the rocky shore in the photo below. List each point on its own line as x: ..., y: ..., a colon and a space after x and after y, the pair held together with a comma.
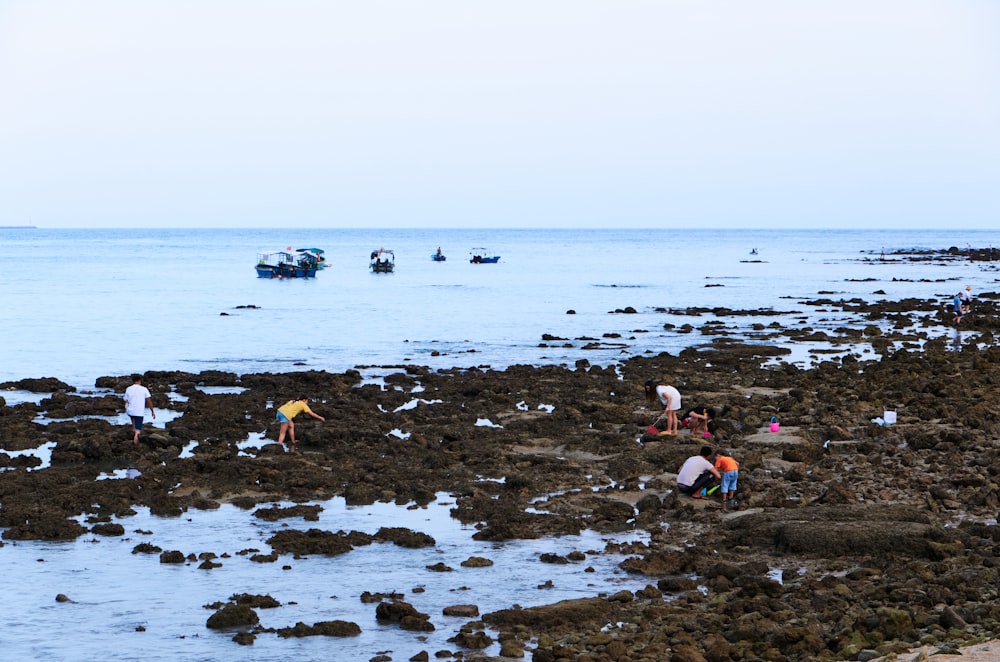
x: 852, y: 540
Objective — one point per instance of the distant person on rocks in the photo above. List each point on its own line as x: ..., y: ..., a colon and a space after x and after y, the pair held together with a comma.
x: 697, y: 419
x: 697, y: 473
x: 137, y: 398
x: 287, y: 412
x: 956, y: 303
x: 967, y: 300
x: 730, y: 470
x: 670, y: 398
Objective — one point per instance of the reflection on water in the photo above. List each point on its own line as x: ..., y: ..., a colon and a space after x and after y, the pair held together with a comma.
x: 125, y: 601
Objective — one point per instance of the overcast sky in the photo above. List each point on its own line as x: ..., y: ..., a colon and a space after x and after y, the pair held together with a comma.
x: 461, y: 113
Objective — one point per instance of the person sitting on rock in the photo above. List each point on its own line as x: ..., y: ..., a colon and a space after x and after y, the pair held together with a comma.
x: 697, y: 473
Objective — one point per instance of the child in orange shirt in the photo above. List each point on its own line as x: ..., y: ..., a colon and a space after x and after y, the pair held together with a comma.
x: 730, y: 470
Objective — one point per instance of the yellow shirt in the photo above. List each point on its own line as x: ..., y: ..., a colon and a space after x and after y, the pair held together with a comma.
x: 293, y: 408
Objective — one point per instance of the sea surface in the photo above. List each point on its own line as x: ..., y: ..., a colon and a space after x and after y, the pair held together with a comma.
x: 80, y: 304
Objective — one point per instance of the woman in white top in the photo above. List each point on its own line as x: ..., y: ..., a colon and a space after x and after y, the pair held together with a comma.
x: 670, y: 398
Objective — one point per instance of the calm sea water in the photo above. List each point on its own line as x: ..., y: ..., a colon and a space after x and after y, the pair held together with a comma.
x: 79, y: 304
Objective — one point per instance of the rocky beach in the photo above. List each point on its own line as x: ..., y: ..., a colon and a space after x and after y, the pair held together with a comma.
x: 852, y: 539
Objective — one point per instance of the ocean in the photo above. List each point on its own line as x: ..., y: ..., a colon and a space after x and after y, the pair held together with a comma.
x: 79, y: 304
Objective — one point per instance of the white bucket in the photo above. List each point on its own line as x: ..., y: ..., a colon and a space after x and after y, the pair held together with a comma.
x: 889, y: 417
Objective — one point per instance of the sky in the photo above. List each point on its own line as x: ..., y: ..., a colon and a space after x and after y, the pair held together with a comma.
x: 464, y: 114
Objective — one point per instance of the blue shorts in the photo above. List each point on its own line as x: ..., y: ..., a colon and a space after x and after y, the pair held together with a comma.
x: 282, y: 418
x: 729, y: 481
x: 136, y: 422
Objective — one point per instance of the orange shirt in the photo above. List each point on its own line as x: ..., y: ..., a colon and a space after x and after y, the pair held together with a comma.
x: 725, y: 463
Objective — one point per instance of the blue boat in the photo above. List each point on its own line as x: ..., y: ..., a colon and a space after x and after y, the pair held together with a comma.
x: 382, y: 261
x: 285, y: 264
x: 482, y: 256
x: 438, y: 256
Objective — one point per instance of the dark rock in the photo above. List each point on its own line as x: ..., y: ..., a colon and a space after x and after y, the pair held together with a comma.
x: 232, y: 616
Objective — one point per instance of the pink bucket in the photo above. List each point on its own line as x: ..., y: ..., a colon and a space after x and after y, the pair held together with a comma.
x: 774, y: 424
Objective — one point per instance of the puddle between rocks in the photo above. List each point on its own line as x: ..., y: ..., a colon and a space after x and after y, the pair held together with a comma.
x: 122, y: 601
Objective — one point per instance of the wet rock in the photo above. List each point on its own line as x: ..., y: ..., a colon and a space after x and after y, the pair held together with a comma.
x: 232, y: 616
x: 313, y: 541
x: 951, y: 619
x: 173, y: 556
x: 275, y: 513
x: 146, y: 548
x: 659, y: 563
x: 476, y: 562
x: 323, y: 628
x: 465, y: 611
x: 110, y: 529
x: 621, y: 596
x: 367, y: 597
x: 38, y: 385
x: 469, y: 638
x: 404, y: 537
x: 256, y: 601
x: 244, y: 638
x: 404, y: 614
x: 577, y: 613
x: 45, y: 527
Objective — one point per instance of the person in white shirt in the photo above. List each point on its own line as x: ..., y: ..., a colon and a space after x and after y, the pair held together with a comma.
x: 137, y: 398
x: 696, y: 473
x: 670, y: 398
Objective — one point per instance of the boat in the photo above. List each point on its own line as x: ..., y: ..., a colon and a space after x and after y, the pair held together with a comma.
x: 483, y: 256
x: 317, y: 253
x: 438, y: 256
x: 382, y: 261
x: 286, y: 264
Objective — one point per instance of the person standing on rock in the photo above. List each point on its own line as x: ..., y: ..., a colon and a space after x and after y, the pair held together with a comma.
x: 670, y: 398
x: 730, y: 470
x: 287, y: 412
x: 696, y: 473
x: 137, y: 398
x: 957, y: 304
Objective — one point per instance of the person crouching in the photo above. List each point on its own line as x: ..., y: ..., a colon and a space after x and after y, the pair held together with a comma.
x: 697, y: 473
